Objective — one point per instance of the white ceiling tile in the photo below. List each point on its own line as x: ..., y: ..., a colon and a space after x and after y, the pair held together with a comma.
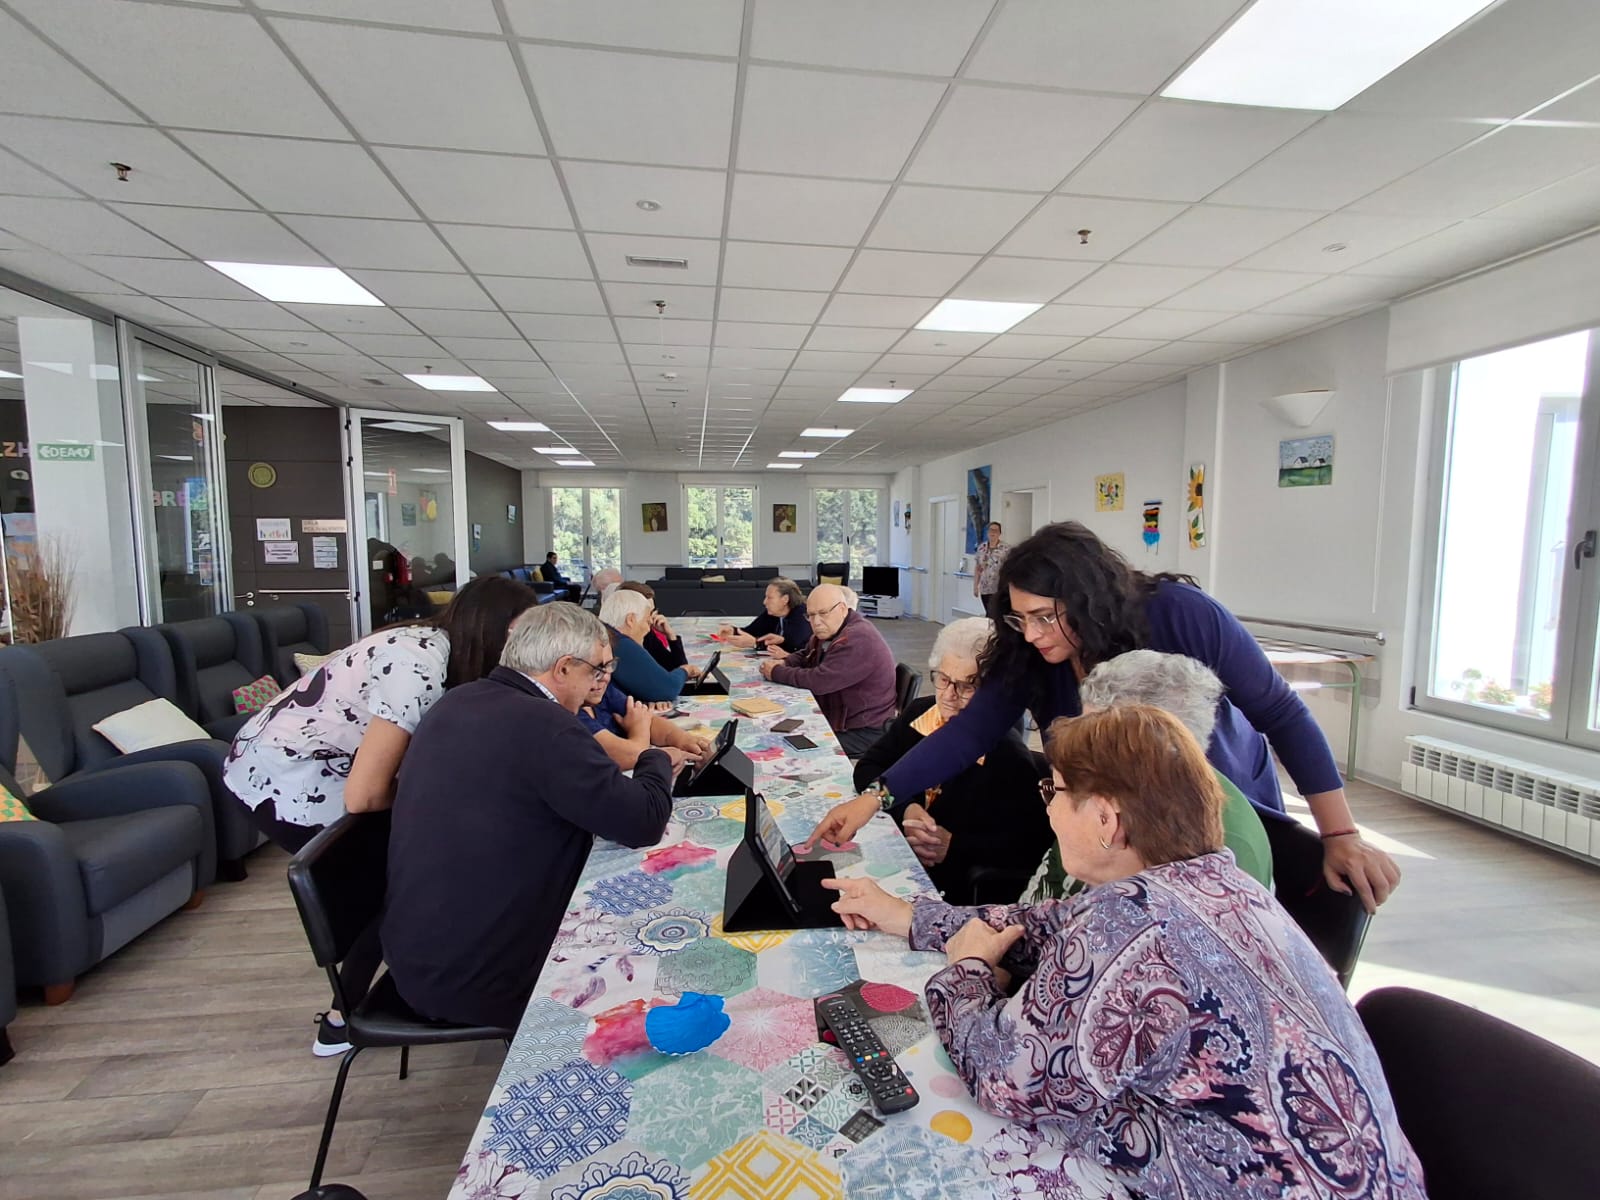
x: 1021, y: 279
x: 704, y: 27
x: 480, y: 189
x: 908, y: 364
x: 1014, y: 139
x: 242, y: 314
x: 299, y: 176
x: 768, y: 336
x: 1462, y: 246
x: 639, y: 300
x: 782, y: 208
x: 581, y: 352
x: 1026, y: 346
x: 1079, y: 320
x: 1237, y: 291
x: 1211, y: 236
x: 1340, y: 294
x: 1163, y: 323
x: 641, y: 330
x: 543, y: 252
x: 920, y: 37
x: 1129, y: 284
x: 346, y: 318
x: 151, y: 312
x: 758, y: 304
x: 418, y: 89
x: 488, y: 349
x: 1113, y: 225
x: 817, y: 123
x: 607, y: 197
x: 442, y: 322
x: 949, y: 219
x: 298, y: 341
x: 993, y: 369
x: 517, y: 294
x: 38, y: 80
x: 558, y: 328
x: 1176, y: 150
x: 776, y: 265
x: 872, y: 341
x: 423, y: 289
x: 891, y: 312
x: 747, y: 356
x: 905, y: 272
x: 155, y: 55
x: 170, y: 277
x: 384, y: 245
x: 1342, y: 158
x: 834, y: 360
x: 1140, y: 372
x: 1364, y: 236
x: 82, y: 153
x: 1110, y: 349
x: 1191, y: 354
x: 634, y: 107
x: 1574, y: 202
x: 1092, y: 46
x: 1257, y: 327
x: 947, y: 345
x: 612, y: 250
x: 384, y: 344
x: 466, y: 16
x: 222, y: 235
x: 17, y: 178
x: 77, y: 227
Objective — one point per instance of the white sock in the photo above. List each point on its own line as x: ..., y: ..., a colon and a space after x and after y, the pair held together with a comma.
x: 335, y: 1020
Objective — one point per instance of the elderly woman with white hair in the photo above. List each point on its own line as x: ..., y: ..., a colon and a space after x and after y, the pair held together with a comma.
x: 627, y: 614
x: 987, y: 816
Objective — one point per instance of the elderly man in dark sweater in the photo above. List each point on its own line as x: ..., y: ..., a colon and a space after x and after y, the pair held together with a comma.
x: 848, y: 667
x: 502, y: 793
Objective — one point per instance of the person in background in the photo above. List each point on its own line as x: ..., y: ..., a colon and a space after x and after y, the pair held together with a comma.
x: 1172, y: 1027
x: 333, y: 743
x: 502, y: 797
x: 783, y: 625
x: 606, y: 577
x: 551, y: 573
x: 1072, y: 603
x: 626, y: 728
x: 663, y: 645
x: 851, y: 600
x: 1189, y: 691
x: 847, y: 666
x: 986, y: 573
x: 988, y: 816
x: 627, y: 613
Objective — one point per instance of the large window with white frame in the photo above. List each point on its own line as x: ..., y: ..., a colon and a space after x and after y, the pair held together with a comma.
x: 720, y: 526
x: 846, y: 521
x: 1514, y: 599
x: 586, y: 529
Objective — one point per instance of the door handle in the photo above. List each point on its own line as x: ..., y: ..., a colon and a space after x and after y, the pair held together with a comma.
x: 1585, y: 549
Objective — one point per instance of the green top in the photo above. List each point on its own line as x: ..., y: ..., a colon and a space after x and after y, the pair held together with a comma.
x: 1242, y: 832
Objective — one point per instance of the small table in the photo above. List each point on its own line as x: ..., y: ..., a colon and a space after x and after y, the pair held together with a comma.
x: 583, y: 1111
x: 1283, y: 654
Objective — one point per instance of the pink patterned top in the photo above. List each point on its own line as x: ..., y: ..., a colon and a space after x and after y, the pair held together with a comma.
x: 1177, y: 1029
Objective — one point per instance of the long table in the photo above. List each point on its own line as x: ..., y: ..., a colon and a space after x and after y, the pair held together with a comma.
x: 585, y: 1110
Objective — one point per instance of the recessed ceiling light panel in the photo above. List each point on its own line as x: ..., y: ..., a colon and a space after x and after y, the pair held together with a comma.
x: 818, y: 431
x: 976, y: 316
x: 452, y: 383
x: 574, y: 462
x: 520, y: 426
x: 798, y: 453
x: 862, y: 395
x: 790, y: 466
x: 298, y: 285
x: 556, y: 451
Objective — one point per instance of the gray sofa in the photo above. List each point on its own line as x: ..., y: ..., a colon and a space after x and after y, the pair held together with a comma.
x: 683, y: 590
x: 212, y: 656
x: 290, y: 629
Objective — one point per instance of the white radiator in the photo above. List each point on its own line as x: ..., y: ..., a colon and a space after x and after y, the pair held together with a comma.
x: 1547, y: 806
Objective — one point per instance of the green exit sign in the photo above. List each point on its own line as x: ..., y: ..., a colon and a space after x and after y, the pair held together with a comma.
x: 63, y: 452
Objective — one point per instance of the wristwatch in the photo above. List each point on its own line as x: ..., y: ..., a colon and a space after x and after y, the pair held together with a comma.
x: 885, y: 799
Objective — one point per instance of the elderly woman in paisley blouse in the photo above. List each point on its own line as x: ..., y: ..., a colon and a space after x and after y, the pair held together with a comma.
x: 1171, y: 1025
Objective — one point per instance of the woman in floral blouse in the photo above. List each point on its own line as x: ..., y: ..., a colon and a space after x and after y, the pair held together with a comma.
x: 986, y: 573
x: 1171, y: 1023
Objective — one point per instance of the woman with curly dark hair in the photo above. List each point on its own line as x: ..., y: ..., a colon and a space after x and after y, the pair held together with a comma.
x: 1066, y: 603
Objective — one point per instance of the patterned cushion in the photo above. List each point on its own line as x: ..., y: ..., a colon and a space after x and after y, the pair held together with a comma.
x: 713, y: 579
x: 307, y: 663
x: 13, y: 809
x: 252, y: 696
x: 836, y: 580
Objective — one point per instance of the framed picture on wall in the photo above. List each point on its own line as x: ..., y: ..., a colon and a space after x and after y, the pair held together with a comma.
x: 783, y: 518
x: 654, y: 517
x: 511, y: 514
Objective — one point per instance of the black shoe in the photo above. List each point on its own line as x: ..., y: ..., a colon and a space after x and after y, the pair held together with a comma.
x: 331, y: 1039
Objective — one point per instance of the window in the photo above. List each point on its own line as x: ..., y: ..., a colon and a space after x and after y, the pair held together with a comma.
x: 1514, y: 593
x: 721, y: 526
x: 847, y: 526
x: 586, y: 529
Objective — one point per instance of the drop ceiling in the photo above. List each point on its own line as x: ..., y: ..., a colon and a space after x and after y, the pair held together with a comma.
x: 829, y: 170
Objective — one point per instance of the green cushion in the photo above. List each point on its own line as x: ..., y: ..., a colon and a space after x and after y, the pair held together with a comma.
x: 13, y: 809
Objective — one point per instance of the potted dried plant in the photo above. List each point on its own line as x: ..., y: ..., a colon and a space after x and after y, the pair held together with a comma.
x: 39, y: 580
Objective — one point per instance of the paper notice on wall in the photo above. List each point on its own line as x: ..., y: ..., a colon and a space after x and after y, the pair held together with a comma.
x: 325, y: 553
x: 284, y: 553
x: 274, y: 529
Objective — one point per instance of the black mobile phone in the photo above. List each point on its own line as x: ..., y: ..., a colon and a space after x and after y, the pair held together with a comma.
x: 786, y: 725
x: 800, y: 741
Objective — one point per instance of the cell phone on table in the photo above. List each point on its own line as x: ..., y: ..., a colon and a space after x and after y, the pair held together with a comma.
x: 787, y: 725
x: 800, y: 741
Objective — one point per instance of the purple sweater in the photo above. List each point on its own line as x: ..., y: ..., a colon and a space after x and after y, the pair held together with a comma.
x: 1182, y: 620
x: 851, y: 675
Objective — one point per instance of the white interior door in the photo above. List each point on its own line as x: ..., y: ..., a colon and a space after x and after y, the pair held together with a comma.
x: 944, y: 539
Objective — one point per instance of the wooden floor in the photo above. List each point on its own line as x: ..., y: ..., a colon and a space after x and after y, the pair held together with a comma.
x: 182, y: 1067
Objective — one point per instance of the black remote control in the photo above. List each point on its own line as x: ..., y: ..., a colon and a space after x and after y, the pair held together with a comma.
x: 891, y: 1092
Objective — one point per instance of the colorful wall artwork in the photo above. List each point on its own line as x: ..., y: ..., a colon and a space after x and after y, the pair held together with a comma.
x: 1196, y: 514
x: 427, y: 504
x: 1152, y: 526
x: 1108, y: 492
x: 978, y: 490
x: 654, y: 517
x: 408, y: 513
x: 783, y: 518
x: 1305, y: 462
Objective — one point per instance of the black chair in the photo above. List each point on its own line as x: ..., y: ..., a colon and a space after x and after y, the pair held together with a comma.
x: 835, y: 570
x: 1335, y: 923
x: 907, y: 686
x: 290, y: 629
x: 1491, y: 1110
x: 338, y: 881
x: 213, y: 657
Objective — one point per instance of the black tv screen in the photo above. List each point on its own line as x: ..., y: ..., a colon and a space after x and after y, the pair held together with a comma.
x: 880, y: 581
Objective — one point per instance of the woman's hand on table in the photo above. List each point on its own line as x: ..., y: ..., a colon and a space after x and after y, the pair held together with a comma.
x: 862, y: 904
x: 770, y: 639
x: 678, y: 756
x: 635, y: 720
x: 843, y: 820
x: 737, y: 638
x: 662, y: 706
x: 976, y: 939
x: 930, y: 841
x: 776, y: 650
x: 1351, y: 863
x: 766, y: 668
x: 698, y: 748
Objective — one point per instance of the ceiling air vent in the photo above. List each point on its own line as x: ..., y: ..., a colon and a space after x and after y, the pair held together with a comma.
x: 373, y: 380
x: 671, y: 391
x: 648, y: 260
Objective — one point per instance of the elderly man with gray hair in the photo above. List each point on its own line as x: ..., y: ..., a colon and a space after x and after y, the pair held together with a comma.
x: 1189, y: 690
x: 503, y: 793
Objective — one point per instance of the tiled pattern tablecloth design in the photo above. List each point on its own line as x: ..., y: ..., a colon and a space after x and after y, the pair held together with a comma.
x: 585, y: 1110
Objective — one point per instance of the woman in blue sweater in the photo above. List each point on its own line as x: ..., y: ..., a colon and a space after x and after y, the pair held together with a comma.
x: 1069, y: 603
x: 627, y: 614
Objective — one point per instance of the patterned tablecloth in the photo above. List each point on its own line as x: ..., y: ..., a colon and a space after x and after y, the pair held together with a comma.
x: 585, y: 1110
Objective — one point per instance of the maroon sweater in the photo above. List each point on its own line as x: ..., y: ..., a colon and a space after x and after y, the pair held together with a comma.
x: 852, y: 675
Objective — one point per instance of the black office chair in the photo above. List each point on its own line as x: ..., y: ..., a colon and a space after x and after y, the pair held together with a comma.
x: 1491, y: 1110
x: 835, y: 570
x: 1335, y: 923
x: 338, y: 880
x: 907, y: 685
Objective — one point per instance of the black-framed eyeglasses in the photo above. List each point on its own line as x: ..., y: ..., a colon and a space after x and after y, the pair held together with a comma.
x: 1021, y: 621
x: 598, y: 670
x: 961, y: 689
x: 1048, y: 790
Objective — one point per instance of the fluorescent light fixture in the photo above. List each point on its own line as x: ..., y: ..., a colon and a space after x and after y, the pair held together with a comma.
x: 520, y: 426
x: 202, y: 416
x: 1315, y: 55
x: 556, y: 451
x: 431, y: 470
x: 819, y: 431
x: 9, y: 375
x: 298, y: 285
x: 798, y: 453
x: 976, y: 316
x: 452, y: 383
x: 574, y: 462
x: 874, y: 395
x: 178, y: 457
x: 405, y: 426
x: 784, y: 466
x: 376, y: 474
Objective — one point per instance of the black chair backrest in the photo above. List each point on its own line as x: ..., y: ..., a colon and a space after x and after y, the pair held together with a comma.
x: 1335, y: 923
x: 835, y: 570
x: 214, y: 656
x: 907, y: 685
x: 1491, y: 1110
x: 290, y: 629
x: 338, y: 880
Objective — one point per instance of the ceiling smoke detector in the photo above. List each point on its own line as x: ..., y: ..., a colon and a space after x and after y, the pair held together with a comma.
x: 648, y: 205
x: 650, y: 260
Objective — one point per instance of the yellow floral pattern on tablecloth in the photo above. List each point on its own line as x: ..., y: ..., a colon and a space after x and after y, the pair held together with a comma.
x: 766, y: 1166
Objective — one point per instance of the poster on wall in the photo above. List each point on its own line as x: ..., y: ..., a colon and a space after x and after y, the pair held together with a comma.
x: 1196, y: 514
x: 1152, y: 526
x: 274, y: 529
x: 511, y: 514
x: 1305, y: 462
x: 783, y: 518
x: 408, y: 514
x: 325, y: 553
x: 978, y: 481
x: 281, y: 553
x: 1108, y: 492
x: 477, y: 537
x: 427, y: 504
x: 654, y: 517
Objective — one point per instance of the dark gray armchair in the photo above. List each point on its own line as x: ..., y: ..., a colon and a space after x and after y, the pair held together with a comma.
x: 290, y: 629
x: 8, y: 985
x: 211, y: 657
x: 60, y: 689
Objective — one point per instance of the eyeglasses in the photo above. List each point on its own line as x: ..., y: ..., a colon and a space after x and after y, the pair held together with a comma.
x: 598, y: 670
x: 1020, y: 622
x: 824, y: 612
x: 1048, y: 790
x: 962, y: 689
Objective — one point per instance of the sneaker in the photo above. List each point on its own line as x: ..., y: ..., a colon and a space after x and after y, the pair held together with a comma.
x: 331, y: 1039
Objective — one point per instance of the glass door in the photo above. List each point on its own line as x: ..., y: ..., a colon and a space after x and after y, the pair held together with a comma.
x: 174, y: 424
x: 721, y: 526
x: 847, y: 526
x: 408, y: 480
x: 586, y: 529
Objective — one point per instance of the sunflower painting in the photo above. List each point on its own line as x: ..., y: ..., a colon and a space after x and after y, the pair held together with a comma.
x: 1195, y: 517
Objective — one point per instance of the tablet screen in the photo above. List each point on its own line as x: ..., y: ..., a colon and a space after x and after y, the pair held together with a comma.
x: 768, y: 838
x: 725, y: 737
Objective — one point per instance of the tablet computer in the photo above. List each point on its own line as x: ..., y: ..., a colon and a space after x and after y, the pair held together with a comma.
x: 712, y: 681
x: 716, y: 766
x: 767, y: 888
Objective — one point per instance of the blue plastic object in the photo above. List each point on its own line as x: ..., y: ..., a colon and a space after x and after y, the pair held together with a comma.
x: 691, y: 1024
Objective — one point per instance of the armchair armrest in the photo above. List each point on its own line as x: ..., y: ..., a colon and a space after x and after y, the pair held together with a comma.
x: 45, y: 902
